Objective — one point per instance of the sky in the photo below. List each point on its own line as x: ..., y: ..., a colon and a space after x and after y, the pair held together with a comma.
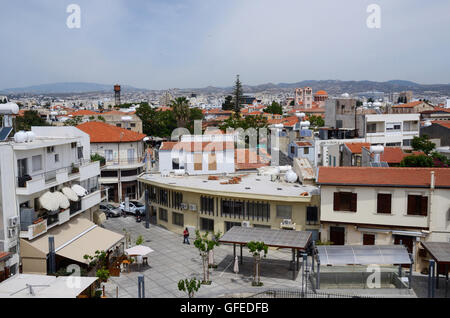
x: 162, y: 44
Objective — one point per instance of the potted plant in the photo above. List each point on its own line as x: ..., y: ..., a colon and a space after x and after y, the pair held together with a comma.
x: 189, y: 286
x: 256, y: 248
x: 74, y: 169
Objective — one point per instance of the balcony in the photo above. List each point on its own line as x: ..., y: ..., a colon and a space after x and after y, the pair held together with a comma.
x: 90, y: 200
x: 34, y: 230
x: 28, y: 185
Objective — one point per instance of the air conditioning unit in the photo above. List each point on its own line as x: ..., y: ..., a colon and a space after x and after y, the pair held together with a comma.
x: 193, y: 207
x: 13, y: 221
x: 245, y: 224
x: 184, y: 206
x: 287, y: 222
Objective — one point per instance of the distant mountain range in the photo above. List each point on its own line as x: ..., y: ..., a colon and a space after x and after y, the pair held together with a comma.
x: 331, y: 86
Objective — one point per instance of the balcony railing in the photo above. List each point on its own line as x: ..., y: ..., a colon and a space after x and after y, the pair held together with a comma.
x: 124, y: 161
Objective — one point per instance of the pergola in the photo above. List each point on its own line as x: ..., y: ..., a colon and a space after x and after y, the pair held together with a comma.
x: 334, y: 255
x: 295, y: 240
x: 440, y: 254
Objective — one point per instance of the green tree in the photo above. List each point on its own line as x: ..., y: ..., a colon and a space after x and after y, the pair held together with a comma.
x: 140, y: 240
x: 97, y: 157
x: 30, y: 118
x: 75, y: 121
x: 194, y: 114
x: 238, y: 95
x: 180, y: 108
x: 423, y: 144
x: 256, y: 249
x: 204, y: 246
x: 189, y: 286
x: 439, y: 160
x: 275, y: 108
x: 228, y: 104
x: 417, y: 161
x: 316, y: 121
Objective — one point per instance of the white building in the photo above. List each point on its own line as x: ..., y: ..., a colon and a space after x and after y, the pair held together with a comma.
x: 383, y: 206
x: 392, y: 129
x: 50, y: 159
x: 196, y: 158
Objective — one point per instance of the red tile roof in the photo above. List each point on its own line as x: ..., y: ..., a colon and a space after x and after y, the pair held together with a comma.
x: 408, y: 105
x: 395, y: 177
x: 83, y: 113
x: 445, y: 124
x: 395, y: 154
x: 303, y: 144
x: 195, y: 146
x: 321, y: 93
x: 356, y: 147
x: 101, y: 133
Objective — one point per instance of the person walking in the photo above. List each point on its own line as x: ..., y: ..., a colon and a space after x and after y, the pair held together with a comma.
x: 186, y: 236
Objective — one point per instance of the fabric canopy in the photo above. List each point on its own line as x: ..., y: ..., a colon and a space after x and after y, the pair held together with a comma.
x: 63, y: 201
x: 139, y: 250
x: 79, y: 190
x: 49, y: 201
x: 70, y: 194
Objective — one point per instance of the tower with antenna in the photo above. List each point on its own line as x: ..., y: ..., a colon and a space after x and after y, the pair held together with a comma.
x: 117, y: 94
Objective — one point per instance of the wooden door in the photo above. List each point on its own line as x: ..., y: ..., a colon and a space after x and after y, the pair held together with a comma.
x: 337, y: 235
x: 368, y: 239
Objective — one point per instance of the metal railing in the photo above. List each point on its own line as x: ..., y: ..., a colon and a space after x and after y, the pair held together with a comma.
x: 294, y: 293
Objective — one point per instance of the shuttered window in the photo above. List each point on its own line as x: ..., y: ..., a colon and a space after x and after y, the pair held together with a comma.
x: 417, y: 205
x: 198, y: 160
x: 384, y: 203
x: 345, y: 201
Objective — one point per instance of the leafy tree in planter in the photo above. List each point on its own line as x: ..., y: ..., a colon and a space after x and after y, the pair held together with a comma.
x: 103, y: 274
x: 140, y: 240
x: 205, y: 245
x: 256, y: 248
x: 189, y: 286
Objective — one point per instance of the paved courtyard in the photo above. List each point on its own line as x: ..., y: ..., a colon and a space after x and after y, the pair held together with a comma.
x: 172, y: 260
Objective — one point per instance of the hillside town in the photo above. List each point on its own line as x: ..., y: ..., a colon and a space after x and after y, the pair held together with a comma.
x: 86, y: 185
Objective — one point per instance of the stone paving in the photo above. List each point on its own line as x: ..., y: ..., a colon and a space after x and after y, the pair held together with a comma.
x: 172, y: 260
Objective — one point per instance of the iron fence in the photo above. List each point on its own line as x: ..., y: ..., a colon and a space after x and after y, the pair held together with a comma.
x: 293, y: 293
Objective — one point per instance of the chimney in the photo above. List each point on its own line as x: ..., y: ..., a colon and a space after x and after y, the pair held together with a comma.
x: 377, y: 151
x: 433, y: 180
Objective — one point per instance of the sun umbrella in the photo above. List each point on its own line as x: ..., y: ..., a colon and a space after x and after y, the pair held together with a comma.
x: 139, y: 250
x: 62, y: 200
x: 49, y: 202
x: 236, y: 265
x: 79, y: 190
x: 70, y: 194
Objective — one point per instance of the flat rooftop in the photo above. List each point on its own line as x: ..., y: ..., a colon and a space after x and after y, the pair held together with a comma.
x: 251, y: 185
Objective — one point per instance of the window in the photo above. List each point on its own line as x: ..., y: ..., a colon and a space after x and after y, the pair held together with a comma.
x: 284, y: 211
x: 293, y: 150
x: 130, y: 153
x: 22, y: 167
x: 37, y: 163
x: 80, y: 152
x: 206, y: 225
x: 175, y: 163
x: 198, y: 162
x: 133, y: 125
x: 371, y: 128
x: 177, y: 219
x: 344, y: 201
x: 207, y: 205
x: 384, y: 203
x: 163, y: 197
x: 368, y: 239
x: 56, y: 157
x: 212, y: 162
x: 177, y: 199
x: 312, y: 215
x: 306, y: 151
x: 118, y: 125
x: 163, y: 216
x: 109, y: 155
x: 417, y: 205
x: 407, y: 142
x: 393, y: 126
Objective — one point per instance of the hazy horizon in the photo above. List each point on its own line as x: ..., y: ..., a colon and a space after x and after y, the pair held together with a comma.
x: 198, y: 43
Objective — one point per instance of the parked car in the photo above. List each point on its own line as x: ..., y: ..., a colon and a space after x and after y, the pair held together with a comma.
x: 110, y: 210
x: 136, y: 208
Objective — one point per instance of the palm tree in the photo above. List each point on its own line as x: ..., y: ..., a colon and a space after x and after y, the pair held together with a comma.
x: 180, y: 108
